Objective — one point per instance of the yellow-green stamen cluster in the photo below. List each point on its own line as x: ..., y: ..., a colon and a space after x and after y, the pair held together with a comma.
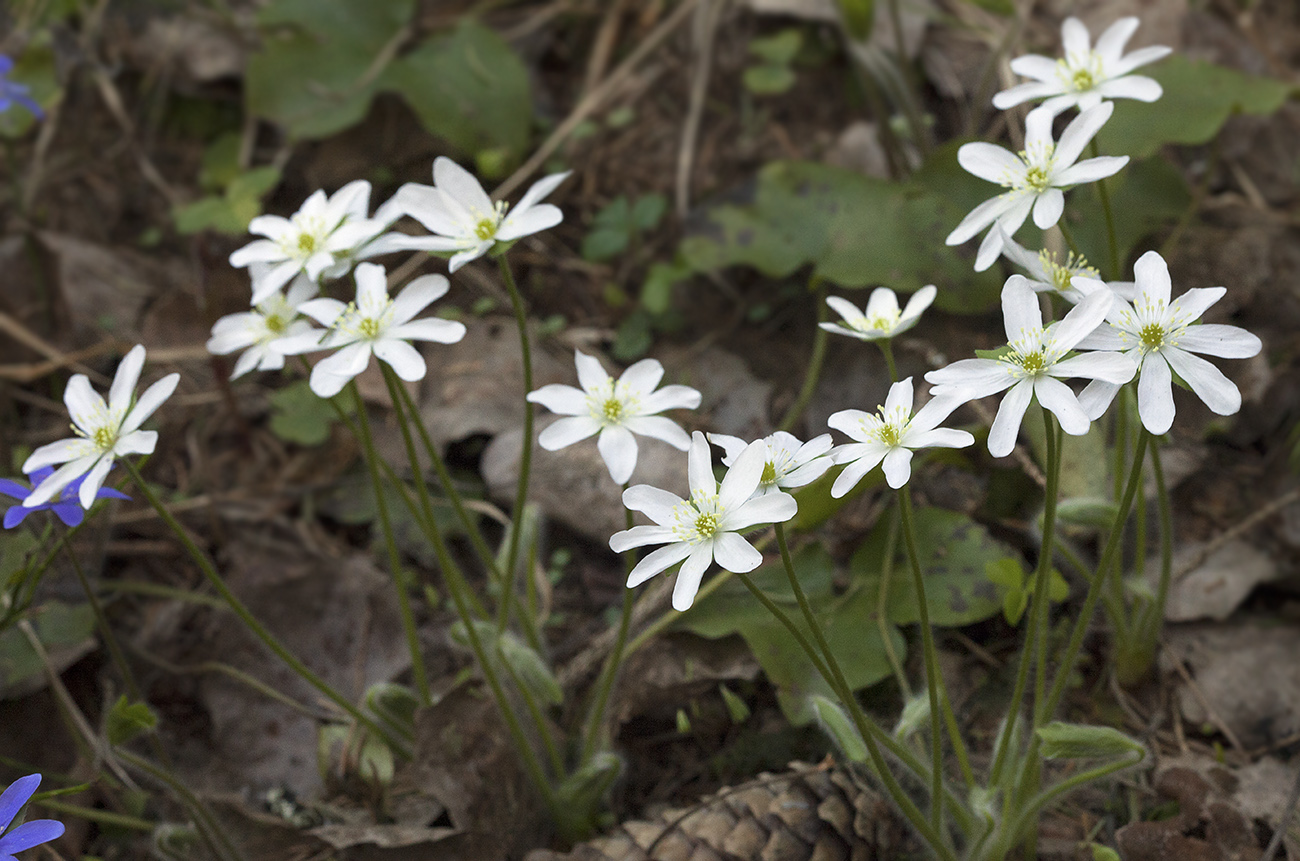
x: 769, y: 473
x: 612, y: 405
x: 367, y: 326
x: 697, y: 519
x: 888, y: 428
x: 1081, y: 75
x: 1031, y: 355
x: 1061, y: 276
x: 882, y: 322
x: 486, y: 227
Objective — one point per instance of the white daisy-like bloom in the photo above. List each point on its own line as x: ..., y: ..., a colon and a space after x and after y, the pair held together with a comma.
x: 1035, y: 364
x: 257, y: 331
x: 104, y: 431
x: 703, y: 529
x: 373, y: 324
x: 323, y: 239
x: 1047, y: 275
x: 882, y: 317
x: 615, y: 409
x: 790, y: 463
x: 1035, y: 179
x: 464, y: 219
x: 890, y: 436
x: 1085, y: 76
x: 1161, y: 336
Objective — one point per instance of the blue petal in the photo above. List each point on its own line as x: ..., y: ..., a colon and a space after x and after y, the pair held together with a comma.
x: 71, y: 513
x: 110, y: 493
x: 31, y: 834
x: 14, y: 489
x: 15, y: 515
x: 14, y: 798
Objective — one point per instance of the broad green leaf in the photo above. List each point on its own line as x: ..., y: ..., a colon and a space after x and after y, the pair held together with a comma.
x: 858, y: 16
x: 779, y: 48
x: 1198, y: 99
x: 854, y: 230
x: 299, y: 415
x: 1084, y: 741
x: 469, y: 87
x: 847, y: 620
x: 315, y: 73
x: 1084, y: 459
x: 647, y: 211
x: 953, y: 551
x: 657, y: 290
x: 604, y: 243
x: 768, y: 79
x: 830, y: 714
x: 1145, y: 196
x: 368, y: 756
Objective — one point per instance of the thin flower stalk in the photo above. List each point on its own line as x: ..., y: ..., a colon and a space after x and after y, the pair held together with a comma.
x: 605, y: 684
x: 526, y: 452
x: 815, y: 362
x: 372, y: 458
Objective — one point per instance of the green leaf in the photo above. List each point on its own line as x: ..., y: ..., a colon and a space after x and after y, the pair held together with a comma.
x: 15, y: 550
x: 604, y: 244
x: 835, y: 723
x: 299, y: 415
x: 953, y: 552
x: 1084, y: 459
x: 859, y: 16
x: 1198, y: 99
x: 469, y: 87
x: 314, y: 73
x: 126, y: 720
x: 61, y: 628
x: 853, y: 230
x: 647, y: 212
x: 657, y: 290
x: 209, y: 213
x: 530, y: 668
x: 1084, y: 741
x: 220, y: 163
x: 1103, y: 853
x: 373, y: 761
x: 778, y: 49
x: 847, y: 619
x: 768, y: 80
x: 252, y: 184
x: 737, y: 708
x: 1145, y: 196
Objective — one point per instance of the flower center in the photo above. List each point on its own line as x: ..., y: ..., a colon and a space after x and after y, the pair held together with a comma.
x: 769, y: 473
x: 1061, y: 276
x: 612, y: 410
x: 275, y: 323
x: 485, y: 229
x: 104, y: 438
x: 1083, y: 80
x: 1031, y: 363
x: 697, y: 519
x: 1152, y: 336
x: 306, y: 244
x: 612, y: 405
x: 368, y: 327
x: 1036, y: 178
x: 888, y: 428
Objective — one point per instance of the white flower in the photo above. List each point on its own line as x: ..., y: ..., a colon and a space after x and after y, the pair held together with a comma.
x: 1160, y: 335
x: 322, y: 239
x: 1035, y: 365
x: 616, y: 409
x: 104, y: 432
x: 258, y: 330
x: 1046, y: 275
x: 702, y: 529
x: 374, y: 323
x: 891, y: 436
x: 1085, y: 76
x: 464, y: 218
x: 1035, y: 178
x: 789, y: 464
x: 881, y: 318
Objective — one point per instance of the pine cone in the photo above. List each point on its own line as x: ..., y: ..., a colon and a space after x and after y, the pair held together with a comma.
x: 810, y: 813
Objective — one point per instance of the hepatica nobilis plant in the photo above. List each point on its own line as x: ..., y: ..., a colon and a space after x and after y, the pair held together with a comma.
x: 1081, y: 346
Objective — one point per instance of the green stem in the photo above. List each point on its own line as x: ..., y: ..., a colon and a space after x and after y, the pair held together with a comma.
x: 605, y: 684
x: 1112, y: 242
x: 815, y: 362
x: 196, y: 807
x: 1042, y: 575
x: 883, y: 625
x: 255, y: 626
x: 470, y: 524
x: 939, y: 702
x: 1166, y: 542
x: 394, y: 557
x: 886, y: 346
x: 932, y: 678
x: 94, y: 814
x: 525, y: 455
x: 784, y: 618
x: 1108, y: 557
x: 1069, y: 238
x: 841, y: 686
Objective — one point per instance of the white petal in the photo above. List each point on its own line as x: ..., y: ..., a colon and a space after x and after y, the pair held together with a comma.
x: 1090, y: 170
x: 404, y: 359
x: 643, y: 376
x: 656, y: 562
x: 897, y: 466
x: 690, y: 575
x: 654, y: 503
x: 459, y: 260
x: 1082, y: 320
x: 1226, y: 342
x: 1022, y: 93
x: 806, y: 473
x: 735, y: 553
x: 85, y: 407
x: 1080, y: 131
x: 1195, y: 302
x: 1038, y: 134
x: 93, y: 481
x: 853, y: 473
x: 1021, y: 313
x: 979, y: 218
x: 670, y: 398
x: 124, y: 381
x: 731, y: 446
x: 1137, y: 87
x: 1140, y: 57
x: 417, y: 296
x: 1110, y: 44
x: 591, y: 375
x: 526, y: 222
x: 940, y: 438
x: 699, y: 466
x: 848, y: 422
x: 59, y: 452
x: 639, y: 536
x: 1152, y: 276
x: 900, y: 396
x: 971, y: 379
x: 1109, y: 367
x: 1057, y: 397
x: 1006, y: 425
x: 1048, y: 208
x: 257, y: 251
x: 618, y: 448
x: 659, y: 428
x: 59, y: 479
x: 430, y: 329
x: 565, y: 400
x: 843, y: 307
x: 372, y: 288
x: 152, y: 398
x: 1035, y: 66
x: 1074, y: 37
x: 931, y: 415
x: 565, y: 432
x: 990, y: 162
x: 1155, y: 394
x: 540, y: 190
x: 919, y: 301
x: 742, y: 479
x: 1211, y: 386
x: 347, y: 362
x: 1096, y: 397
x: 452, y: 179
x: 324, y: 311
x: 424, y: 204
x: 1104, y: 337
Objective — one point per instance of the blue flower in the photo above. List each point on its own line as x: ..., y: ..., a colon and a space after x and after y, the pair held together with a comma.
x: 10, y: 93
x: 65, y: 506
x: 28, y: 834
